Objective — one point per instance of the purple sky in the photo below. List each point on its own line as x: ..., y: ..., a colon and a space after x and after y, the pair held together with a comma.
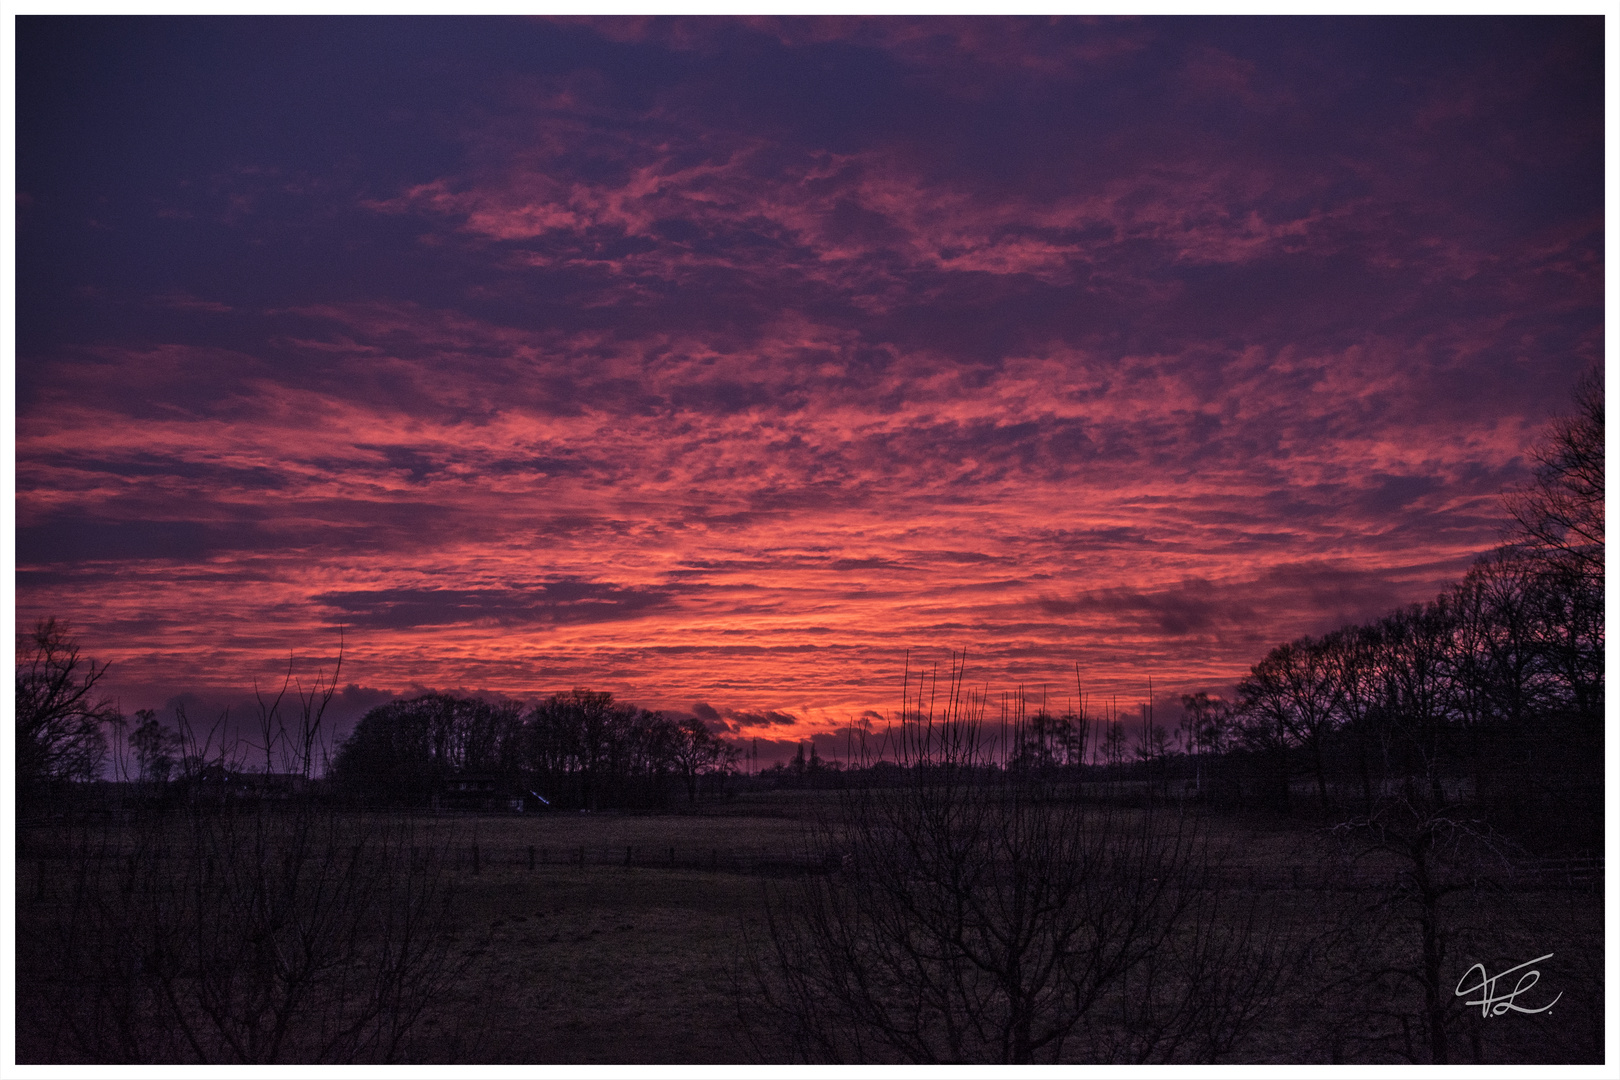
x: 721, y: 362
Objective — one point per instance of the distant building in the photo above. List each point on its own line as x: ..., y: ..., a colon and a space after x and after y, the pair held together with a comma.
x: 217, y: 781
x: 482, y: 791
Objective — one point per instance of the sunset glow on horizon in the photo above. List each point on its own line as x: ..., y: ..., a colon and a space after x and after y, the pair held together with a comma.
x: 734, y: 365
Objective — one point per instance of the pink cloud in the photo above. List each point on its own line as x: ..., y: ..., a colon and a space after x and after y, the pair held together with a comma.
x: 1133, y: 344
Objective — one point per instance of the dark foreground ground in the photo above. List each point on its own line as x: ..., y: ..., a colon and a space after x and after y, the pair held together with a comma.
x: 643, y: 963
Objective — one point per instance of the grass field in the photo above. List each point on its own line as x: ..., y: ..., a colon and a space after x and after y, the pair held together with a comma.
x: 608, y: 963
x: 599, y: 965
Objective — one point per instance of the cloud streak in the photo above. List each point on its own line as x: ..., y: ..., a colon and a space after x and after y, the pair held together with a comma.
x: 724, y: 361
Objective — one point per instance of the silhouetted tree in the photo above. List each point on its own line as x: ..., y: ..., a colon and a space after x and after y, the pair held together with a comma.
x: 240, y: 934
x: 577, y: 727
x: 590, y: 751
x: 1418, y: 692
x: 1208, y: 730
x: 980, y: 920
x: 1113, y: 744
x: 1047, y: 741
x: 1265, y: 713
x: 61, y: 720
x: 1478, y: 710
x: 1301, y: 677
x: 156, y: 748
x: 1352, y: 657
x: 1389, y: 966
x: 1559, y: 517
x: 695, y: 750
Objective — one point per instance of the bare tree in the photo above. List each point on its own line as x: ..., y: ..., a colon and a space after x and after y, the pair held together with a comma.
x: 1266, y: 723
x: 1207, y: 729
x: 1418, y: 696
x: 1295, y: 687
x: 1354, y: 655
x: 244, y: 928
x: 990, y: 916
x: 156, y: 747
x: 1389, y: 971
x: 61, y: 719
x: 695, y: 750
x: 1560, y: 515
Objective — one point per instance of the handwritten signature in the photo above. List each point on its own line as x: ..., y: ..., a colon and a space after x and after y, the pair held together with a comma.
x: 1492, y: 1003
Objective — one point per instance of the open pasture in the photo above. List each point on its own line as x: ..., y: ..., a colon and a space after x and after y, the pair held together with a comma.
x: 556, y: 962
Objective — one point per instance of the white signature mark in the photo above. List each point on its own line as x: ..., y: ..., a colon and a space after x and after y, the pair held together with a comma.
x: 1493, y: 1004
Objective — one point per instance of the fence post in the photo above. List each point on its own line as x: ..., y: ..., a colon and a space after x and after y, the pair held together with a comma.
x: 531, y: 858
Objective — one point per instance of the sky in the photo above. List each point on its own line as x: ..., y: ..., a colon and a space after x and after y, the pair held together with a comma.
x: 739, y: 366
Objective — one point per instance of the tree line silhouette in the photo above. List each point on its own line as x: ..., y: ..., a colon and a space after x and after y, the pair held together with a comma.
x: 1492, y: 692
x: 579, y: 749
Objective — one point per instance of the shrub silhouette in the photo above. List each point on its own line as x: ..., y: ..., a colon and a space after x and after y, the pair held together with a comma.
x: 987, y: 915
